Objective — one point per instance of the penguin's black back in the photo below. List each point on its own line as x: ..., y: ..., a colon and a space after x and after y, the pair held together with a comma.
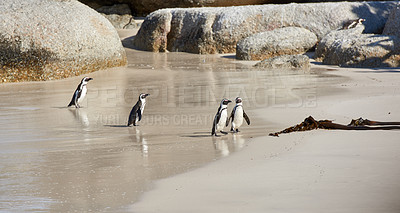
x: 76, y: 95
x: 216, y: 120
x: 134, y: 113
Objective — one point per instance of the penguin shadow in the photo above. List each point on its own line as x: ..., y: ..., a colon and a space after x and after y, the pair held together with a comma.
x: 117, y: 125
x: 198, y: 135
x: 63, y: 107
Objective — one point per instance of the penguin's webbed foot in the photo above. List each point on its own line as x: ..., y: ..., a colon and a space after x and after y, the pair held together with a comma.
x: 237, y: 130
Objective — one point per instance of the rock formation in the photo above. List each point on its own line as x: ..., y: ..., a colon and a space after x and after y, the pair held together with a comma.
x: 119, y: 15
x: 45, y: 39
x: 217, y: 30
x: 392, y: 26
x: 144, y: 7
x: 281, y: 41
x: 351, y: 48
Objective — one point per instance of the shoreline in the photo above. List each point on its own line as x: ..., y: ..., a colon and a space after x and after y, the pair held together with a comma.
x: 91, y: 149
x: 314, y: 171
x: 111, y: 167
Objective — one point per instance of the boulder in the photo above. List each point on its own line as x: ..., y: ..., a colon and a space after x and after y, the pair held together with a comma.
x: 281, y: 41
x: 46, y: 39
x: 144, y: 7
x: 285, y: 62
x: 119, y: 15
x: 118, y: 9
x: 350, y: 48
x: 392, y: 26
x: 331, y: 40
x: 121, y: 21
x: 217, y: 29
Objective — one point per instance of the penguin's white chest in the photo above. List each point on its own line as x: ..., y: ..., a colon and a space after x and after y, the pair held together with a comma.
x: 238, y: 118
x: 141, y: 109
x: 222, y: 120
x: 83, y: 94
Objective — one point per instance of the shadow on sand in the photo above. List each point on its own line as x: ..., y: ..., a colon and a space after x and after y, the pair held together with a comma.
x: 198, y: 135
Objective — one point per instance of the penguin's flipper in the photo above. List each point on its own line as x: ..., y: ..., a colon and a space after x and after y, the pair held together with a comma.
x: 139, y: 112
x: 246, y: 118
x: 231, y: 116
x: 214, y: 124
x: 132, y: 117
x: 78, y: 92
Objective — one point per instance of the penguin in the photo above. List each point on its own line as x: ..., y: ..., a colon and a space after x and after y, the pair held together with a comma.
x: 352, y: 23
x: 237, y: 116
x: 220, y: 117
x: 137, y: 110
x: 79, y: 93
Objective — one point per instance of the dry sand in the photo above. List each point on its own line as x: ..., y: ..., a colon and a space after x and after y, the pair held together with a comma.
x: 315, y: 171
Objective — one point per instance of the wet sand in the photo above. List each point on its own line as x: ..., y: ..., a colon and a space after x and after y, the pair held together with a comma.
x: 58, y: 159
x: 315, y: 171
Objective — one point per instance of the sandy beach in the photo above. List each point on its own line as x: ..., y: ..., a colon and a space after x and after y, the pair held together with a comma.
x: 315, y: 171
x: 59, y: 159
x: 62, y: 159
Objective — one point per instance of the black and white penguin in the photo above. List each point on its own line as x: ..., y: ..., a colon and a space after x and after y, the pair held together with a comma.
x: 80, y: 93
x: 352, y: 23
x: 137, y: 110
x: 220, y: 117
x: 237, y: 116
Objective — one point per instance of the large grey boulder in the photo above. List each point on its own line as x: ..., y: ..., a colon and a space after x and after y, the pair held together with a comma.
x: 144, y: 7
x: 350, y: 48
x: 217, y: 30
x: 121, y: 21
x: 47, y: 39
x: 281, y: 41
x: 119, y: 15
x: 332, y: 40
x: 285, y: 62
x: 392, y: 26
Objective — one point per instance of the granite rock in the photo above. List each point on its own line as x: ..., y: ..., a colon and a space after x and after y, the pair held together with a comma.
x: 218, y: 29
x: 281, y: 41
x: 46, y: 39
x: 350, y: 48
x: 392, y: 26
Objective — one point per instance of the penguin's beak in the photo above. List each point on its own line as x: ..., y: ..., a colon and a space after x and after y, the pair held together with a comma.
x: 90, y: 79
x: 146, y: 95
x: 229, y: 101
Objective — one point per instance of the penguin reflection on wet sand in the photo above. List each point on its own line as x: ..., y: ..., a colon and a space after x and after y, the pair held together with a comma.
x: 237, y: 116
x: 220, y: 117
x: 137, y: 110
x: 80, y: 93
